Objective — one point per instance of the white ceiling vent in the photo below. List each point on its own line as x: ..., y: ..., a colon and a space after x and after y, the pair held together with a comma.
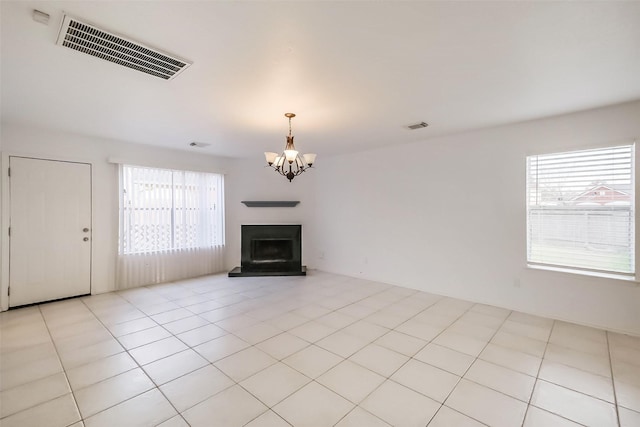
x: 418, y: 126
x: 91, y: 40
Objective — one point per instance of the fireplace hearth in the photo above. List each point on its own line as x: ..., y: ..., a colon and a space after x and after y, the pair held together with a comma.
x: 270, y: 250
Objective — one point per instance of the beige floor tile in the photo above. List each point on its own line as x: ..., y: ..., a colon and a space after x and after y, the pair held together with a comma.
x: 148, y: 409
x: 628, y: 395
x: 502, y: 379
x: 578, y: 380
x: 287, y: 321
x: 312, y: 331
x: 351, y: 381
x: 143, y: 337
x: 587, y: 362
x: 29, y: 371
x: 110, y: 392
x: 387, y: 320
x: 336, y: 320
x: 157, y: 350
x: 275, y: 383
x: 201, y: 335
x: 444, y: 358
x: 512, y: 359
x: 257, y: 333
x: 426, y: 379
x: 629, y: 418
x: 26, y: 355
x: 462, y: 343
x: 342, y: 344
x: 221, y: 347
x: 59, y: 412
x: 575, y: 406
x: 359, y: 418
x: 236, y: 322
x: 447, y: 417
x: 520, y: 343
x: 436, y: 339
x: 537, y: 417
x: 312, y: 361
x: 92, y: 353
x: 379, y: 359
x: 176, y: 421
x: 233, y: 407
x: 34, y: 393
x: 171, y: 316
x: 626, y: 372
x: 365, y: 330
x: 537, y: 332
x: 191, y: 389
x: 132, y: 326
x: 245, y: 363
x: 313, y: 406
x: 282, y: 345
x: 174, y: 366
x: 94, y: 372
x: 419, y: 330
x: 402, y: 343
x: 268, y: 419
x: 480, y: 403
x: 186, y: 324
x: 473, y: 330
x: 400, y: 406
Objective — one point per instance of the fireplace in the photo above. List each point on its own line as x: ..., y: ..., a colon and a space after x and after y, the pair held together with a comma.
x: 270, y: 250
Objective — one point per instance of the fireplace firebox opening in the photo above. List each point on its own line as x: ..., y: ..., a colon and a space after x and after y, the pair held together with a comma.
x: 270, y: 250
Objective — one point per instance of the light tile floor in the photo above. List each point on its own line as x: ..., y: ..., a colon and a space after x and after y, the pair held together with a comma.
x: 321, y: 350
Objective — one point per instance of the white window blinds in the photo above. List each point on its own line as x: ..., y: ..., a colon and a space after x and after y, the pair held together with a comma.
x: 580, y: 209
x: 162, y: 210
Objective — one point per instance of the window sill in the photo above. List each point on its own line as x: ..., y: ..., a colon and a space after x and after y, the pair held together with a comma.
x: 613, y: 276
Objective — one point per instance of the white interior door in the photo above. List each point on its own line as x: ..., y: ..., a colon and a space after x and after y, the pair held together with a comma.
x: 50, y: 243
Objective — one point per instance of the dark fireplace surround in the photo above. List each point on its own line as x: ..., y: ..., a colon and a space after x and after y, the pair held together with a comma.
x: 270, y: 250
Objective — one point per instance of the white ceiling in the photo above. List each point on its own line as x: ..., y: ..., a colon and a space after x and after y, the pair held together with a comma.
x: 356, y: 73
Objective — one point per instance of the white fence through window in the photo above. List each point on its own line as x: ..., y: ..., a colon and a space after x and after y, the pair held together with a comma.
x: 171, y: 224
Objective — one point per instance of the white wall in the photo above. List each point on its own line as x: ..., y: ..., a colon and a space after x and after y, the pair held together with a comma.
x: 447, y: 215
x: 248, y: 179
x: 27, y: 141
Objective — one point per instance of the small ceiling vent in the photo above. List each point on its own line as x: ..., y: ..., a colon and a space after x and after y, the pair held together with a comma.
x: 418, y: 126
x: 91, y: 40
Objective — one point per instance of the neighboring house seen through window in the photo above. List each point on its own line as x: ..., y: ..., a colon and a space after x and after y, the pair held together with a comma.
x: 581, y: 209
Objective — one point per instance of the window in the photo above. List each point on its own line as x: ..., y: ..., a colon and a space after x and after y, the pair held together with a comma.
x: 162, y: 210
x: 581, y: 209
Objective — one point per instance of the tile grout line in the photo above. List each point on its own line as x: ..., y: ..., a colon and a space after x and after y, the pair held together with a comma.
x: 64, y: 371
x: 139, y: 367
x: 613, y: 381
x: 470, y: 365
x: 546, y: 345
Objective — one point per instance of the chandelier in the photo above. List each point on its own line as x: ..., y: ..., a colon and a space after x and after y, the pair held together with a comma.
x: 290, y: 163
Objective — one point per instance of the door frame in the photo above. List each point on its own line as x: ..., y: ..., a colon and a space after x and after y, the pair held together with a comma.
x: 5, y: 196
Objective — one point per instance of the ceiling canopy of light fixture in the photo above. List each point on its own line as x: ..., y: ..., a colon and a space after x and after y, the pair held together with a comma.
x: 290, y: 163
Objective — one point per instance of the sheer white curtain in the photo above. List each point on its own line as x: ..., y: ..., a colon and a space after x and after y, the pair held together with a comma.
x: 171, y: 225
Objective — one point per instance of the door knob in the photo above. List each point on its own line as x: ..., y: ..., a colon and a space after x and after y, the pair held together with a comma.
x: 86, y: 230
x: 86, y: 239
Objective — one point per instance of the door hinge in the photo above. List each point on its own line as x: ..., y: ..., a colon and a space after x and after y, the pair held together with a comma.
x: 9, y: 291
x: 9, y: 171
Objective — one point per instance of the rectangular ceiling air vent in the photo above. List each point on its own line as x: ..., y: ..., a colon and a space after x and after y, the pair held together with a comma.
x: 418, y: 126
x: 94, y: 41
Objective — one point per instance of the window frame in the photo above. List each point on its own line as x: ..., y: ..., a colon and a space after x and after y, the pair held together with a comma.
x: 634, y: 256
x: 173, y: 210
